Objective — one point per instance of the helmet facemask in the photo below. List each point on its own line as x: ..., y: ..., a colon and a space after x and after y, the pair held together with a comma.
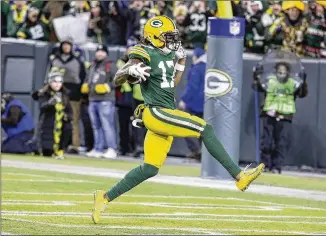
x: 171, y: 40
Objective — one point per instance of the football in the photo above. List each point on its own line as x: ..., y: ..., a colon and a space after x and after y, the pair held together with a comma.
x: 133, y: 80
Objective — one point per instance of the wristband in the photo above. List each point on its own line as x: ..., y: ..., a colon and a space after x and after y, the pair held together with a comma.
x: 179, y: 67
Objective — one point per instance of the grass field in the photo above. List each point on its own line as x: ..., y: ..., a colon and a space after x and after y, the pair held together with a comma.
x: 47, y: 202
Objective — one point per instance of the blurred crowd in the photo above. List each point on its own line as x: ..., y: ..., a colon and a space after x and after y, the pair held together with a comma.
x: 296, y: 25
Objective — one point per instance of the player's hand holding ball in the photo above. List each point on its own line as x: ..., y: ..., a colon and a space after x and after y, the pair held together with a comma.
x: 139, y: 71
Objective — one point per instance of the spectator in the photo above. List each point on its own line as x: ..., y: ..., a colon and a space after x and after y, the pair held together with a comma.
x: 273, y: 13
x: 16, y: 17
x: 254, y: 27
x: 196, y: 21
x: 55, y: 116
x: 315, y: 37
x: 278, y: 110
x: 98, y: 28
x: 88, y: 130
x: 54, y: 9
x: 134, y: 18
x: 180, y: 13
x: 100, y: 89
x: 79, y: 7
x: 5, y: 9
x: 124, y: 102
x: 18, y: 124
x: 293, y: 24
x: 35, y: 28
x: 165, y: 8
x: 73, y: 78
x: 118, y: 22
x: 195, y: 104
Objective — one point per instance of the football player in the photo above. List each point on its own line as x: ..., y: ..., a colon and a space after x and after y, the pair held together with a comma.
x: 151, y: 64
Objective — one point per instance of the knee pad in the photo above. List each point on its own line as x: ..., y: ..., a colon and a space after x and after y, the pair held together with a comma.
x: 149, y: 170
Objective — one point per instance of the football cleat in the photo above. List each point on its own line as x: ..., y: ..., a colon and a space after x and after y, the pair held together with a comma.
x: 246, y: 177
x: 100, y: 204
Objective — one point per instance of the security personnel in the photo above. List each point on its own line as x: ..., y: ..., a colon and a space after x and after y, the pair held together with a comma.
x: 277, y: 113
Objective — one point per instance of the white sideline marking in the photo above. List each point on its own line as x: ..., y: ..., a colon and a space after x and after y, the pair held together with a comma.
x: 155, y: 204
x: 171, y: 180
x: 116, y: 216
x: 25, y: 174
x: 195, y: 230
x: 170, y: 197
x: 5, y: 233
x: 63, y: 213
x: 49, y: 180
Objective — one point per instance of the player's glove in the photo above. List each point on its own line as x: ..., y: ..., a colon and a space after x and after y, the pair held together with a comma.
x: 139, y: 71
x: 181, y: 53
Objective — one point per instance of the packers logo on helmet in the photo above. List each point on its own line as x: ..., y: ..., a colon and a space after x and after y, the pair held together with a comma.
x: 156, y: 23
x: 161, y: 32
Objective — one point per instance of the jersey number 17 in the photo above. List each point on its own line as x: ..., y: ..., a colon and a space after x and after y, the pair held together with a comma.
x: 162, y: 66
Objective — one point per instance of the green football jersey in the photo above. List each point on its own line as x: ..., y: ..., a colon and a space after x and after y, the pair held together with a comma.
x: 159, y: 89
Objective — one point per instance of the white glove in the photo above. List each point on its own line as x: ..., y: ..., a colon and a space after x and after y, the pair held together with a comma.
x: 139, y: 72
x: 181, y: 53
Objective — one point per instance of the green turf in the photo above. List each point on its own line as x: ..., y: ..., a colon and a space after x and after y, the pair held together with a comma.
x: 179, y: 170
x: 30, y: 200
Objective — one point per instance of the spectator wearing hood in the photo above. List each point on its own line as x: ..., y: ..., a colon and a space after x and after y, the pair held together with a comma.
x: 18, y: 124
x: 195, y: 104
x: 255, y: 38
x: 100, y: 89
x: 74, y: 77
x: 315, y: 38
x: 293, y: 25
x: 35, y: 27
x: 16, y: 17
x: 273, y: 13
x: 55, y: 115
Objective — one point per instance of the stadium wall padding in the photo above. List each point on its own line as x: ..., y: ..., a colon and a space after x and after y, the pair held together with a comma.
x: 24, y: 65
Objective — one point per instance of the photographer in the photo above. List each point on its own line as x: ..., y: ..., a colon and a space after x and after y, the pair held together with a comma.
x: 278, y: 110
x: 55, y: 116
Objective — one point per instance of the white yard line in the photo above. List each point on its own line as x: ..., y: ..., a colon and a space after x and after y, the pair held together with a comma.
x: 173, y: 180
x: 158, y: 204
x: 151, y: 204
x: 175, y: 214
x: 48, y: 180
x: 193, y: 230
x: 171, y: 197
x: 106, y: 216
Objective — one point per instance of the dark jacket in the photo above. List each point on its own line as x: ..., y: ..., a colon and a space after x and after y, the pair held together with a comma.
x: 47, y: 118
x: 100, y: 74
x: 193, y: 96
x: 75, y: 73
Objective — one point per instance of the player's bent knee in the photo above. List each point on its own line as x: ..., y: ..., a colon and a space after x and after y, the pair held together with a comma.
x: 149, y: 170
x: 208, y: 131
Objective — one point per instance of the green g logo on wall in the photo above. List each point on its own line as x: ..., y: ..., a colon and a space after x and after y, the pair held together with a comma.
x: 217, y: 83
x: 156, y: 23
